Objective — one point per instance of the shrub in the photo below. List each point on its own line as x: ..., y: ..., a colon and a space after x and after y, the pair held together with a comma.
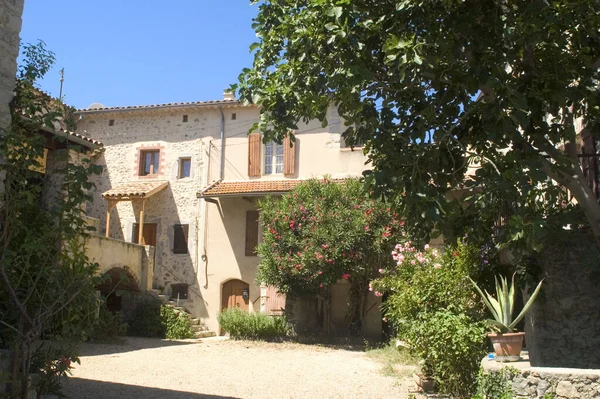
x: 433, y: 308
x: 144, y: 320
x: 150, y: 318
x: 256, y: 326
x: 109, y: 325
x: 177, y: 324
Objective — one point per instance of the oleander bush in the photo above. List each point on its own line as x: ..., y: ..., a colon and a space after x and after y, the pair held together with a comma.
x: 255, y: 326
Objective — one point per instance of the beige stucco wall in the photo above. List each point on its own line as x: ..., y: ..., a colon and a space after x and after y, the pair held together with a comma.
x: 10, y: 27
x: 110, y: 253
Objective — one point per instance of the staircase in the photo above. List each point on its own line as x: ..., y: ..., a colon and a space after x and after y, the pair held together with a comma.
x: 200, y: 329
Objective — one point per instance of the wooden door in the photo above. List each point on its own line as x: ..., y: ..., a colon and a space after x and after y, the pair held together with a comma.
x: 148, y: 234
x: 233, y: 295
x: 275, y: 303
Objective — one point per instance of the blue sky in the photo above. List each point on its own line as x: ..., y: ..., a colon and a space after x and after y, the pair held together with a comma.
x: 131, y: 52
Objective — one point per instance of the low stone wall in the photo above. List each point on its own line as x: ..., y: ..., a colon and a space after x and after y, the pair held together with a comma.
x: 536, y: 382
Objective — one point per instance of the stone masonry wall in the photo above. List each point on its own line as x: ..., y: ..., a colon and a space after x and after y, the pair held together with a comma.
x: 563, y: 328
x: 177, y: 204
x: 10, y: 27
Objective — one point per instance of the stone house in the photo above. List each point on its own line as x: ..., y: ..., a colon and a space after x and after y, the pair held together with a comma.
x: 189, y: 175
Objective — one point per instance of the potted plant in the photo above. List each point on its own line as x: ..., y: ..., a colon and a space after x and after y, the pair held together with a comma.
x: 507, y: 343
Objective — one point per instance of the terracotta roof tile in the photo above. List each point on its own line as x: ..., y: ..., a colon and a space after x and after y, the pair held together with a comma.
x: 135, y: 190
x: 249, y: 187
x: 155, y: 106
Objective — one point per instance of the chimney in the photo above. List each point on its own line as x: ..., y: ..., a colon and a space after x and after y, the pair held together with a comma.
x: 228, y: 95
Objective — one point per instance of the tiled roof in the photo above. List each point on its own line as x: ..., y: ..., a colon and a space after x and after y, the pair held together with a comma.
x: 155, y: 106
x: 82, y: 137
x: 135, y: 190
x: 250, y: 187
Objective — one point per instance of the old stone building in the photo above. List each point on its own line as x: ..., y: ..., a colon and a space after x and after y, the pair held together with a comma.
x: 191, y: 175
x: 10, y: 27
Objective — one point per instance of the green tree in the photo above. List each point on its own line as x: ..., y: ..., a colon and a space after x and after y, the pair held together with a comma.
x: 47, y: 284
x: 322, y: 232
x: 433, y: 87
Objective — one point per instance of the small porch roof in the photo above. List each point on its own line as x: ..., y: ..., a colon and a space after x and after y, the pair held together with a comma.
x: 248, y: 188
x: 135, y: 190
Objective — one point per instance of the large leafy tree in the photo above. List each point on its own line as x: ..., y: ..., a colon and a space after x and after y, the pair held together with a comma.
x: 435, y: 88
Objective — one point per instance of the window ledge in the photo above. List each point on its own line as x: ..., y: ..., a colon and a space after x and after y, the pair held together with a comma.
x: 348, y: 149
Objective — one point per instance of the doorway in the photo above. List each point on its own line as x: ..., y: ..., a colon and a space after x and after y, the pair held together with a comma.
x: 148, y: 234
x: 236, y: 294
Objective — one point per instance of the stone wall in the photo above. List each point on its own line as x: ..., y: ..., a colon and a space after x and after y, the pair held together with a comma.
x: 563, y: 328
x: 10, y: 27
x: 538, y: 382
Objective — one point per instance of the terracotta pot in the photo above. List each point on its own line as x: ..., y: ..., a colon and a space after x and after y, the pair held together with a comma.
x: 507, y: 346
x: 425, y: 384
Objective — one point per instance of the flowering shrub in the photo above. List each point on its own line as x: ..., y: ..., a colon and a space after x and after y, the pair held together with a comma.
x: 432, y: 307
x: 322, y: 232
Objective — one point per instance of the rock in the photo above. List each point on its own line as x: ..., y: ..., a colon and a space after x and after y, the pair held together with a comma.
x: 566, y: 390
x: 542, y: 387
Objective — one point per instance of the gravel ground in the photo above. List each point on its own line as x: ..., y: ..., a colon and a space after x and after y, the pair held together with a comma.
x: 223, y: 369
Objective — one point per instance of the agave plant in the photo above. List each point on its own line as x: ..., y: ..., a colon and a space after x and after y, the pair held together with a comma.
x: 503, y: 307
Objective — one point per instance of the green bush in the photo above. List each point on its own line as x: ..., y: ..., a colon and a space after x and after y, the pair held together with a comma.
x: 451, y: 347
x: 150, y: 318
x: 433, y: 308
x: 109, y: 325
x: 257, y: 326
x: 144, y: 320
x: 177, y: 324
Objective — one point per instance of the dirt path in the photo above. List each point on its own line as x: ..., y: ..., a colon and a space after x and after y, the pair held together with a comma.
x: 150, y: 368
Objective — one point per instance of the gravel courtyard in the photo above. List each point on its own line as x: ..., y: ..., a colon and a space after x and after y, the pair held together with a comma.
x: 223, y: 369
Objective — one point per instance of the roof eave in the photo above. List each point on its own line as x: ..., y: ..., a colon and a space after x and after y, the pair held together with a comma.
x: 159, y: 107
x: 251, y: 194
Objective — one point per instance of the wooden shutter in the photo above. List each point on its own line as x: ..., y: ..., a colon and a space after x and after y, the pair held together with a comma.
x: 254, y: 155
x: 180, y: 238
x: 251, y: 232
x: 289, y: 156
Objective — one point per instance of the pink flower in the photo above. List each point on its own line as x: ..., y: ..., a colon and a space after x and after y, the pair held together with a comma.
x: 345, y: 276
x: 320, y: 272
x: 380, y: 270
x: 377, y: 293
x: 324, y: 246
x: 384, y: 319
x: 426, y: 246
x: 412, y: 262
x: 321, y: 285
x: 437, y: 266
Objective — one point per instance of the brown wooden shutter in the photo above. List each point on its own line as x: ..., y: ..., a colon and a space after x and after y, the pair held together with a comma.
x: 289, y: 156
x: 251, y: 232
x: 180, y: 238
x: 254, y: 155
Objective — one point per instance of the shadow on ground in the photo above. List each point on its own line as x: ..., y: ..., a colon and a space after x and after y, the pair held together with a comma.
x: 77, y: 388
x: 129, y: 344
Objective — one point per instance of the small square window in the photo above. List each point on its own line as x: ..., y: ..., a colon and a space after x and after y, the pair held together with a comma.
x: 185, y: 167
x: 111, y: 122
x: 149, y: 162
x: 233, y: 116
x: 180, y: 238
x: 179, y: 291
x: 185, y: 118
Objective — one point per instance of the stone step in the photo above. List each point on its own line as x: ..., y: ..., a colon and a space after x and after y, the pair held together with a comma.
x: 205, y: 334
x: 195, y: 321
x: 199, y: 328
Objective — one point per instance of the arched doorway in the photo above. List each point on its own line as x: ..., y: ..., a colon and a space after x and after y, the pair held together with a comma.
x: 235, y: 294
x: 114, y: 283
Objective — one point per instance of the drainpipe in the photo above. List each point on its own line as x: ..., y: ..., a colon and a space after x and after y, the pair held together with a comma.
x: 222, y: 166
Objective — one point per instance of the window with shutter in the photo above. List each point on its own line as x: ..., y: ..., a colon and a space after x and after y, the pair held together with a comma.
x: 251, y: 232
x: 180, y: 238
x: 254, y: 155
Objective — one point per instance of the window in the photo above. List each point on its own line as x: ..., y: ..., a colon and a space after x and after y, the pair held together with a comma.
x: 233, y: 116
x: 179, y: 291
x: 251, y: 232
x: 149, y: 162
x: 185, y: 167
x: 273, y: 158
x: 185, y: 118
x: 358, y: 144
x: 111, y: 122
x: 180, y: 238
